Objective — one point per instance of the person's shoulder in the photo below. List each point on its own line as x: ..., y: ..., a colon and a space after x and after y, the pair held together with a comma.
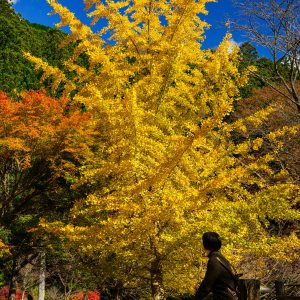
x: 214, y: 258
x: 219, y: 259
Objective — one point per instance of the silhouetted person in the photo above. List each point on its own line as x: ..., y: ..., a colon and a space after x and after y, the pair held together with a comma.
x: 218, y: 281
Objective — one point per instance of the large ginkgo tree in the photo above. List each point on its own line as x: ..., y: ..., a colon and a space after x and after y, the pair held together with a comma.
x: 166, y: 164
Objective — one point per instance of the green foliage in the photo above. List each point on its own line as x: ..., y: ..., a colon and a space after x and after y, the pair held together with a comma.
x: 2, y: 281
x: 17, y: 36
x: 265, y: 69
x: 4, y: 234
x: 249, y: 55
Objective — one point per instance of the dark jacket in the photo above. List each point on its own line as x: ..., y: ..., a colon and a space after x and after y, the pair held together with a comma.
x: 217, y: 279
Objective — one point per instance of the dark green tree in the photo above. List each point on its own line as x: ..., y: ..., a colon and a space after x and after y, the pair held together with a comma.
x: 265, y: 73
x: 18, y: 36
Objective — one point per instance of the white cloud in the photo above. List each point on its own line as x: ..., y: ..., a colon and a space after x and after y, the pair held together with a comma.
x: 233, y: 44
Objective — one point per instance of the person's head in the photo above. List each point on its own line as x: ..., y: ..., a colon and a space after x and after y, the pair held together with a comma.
x: 211, y: 241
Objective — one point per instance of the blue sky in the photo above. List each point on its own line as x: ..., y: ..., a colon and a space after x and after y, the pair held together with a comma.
x: 36, y: 11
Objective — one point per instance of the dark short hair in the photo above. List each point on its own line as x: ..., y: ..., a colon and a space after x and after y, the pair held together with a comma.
x: 211, y: 241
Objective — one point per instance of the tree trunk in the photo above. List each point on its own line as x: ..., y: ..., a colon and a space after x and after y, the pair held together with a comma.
x: 13, y: 283
x: 42, y: 277
x: 23, y: 295
x: 115, y: 292
x: 157, y: 288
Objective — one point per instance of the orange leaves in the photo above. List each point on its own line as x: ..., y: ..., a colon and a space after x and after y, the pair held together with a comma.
x: 4, y: 249
x: 40, y: 126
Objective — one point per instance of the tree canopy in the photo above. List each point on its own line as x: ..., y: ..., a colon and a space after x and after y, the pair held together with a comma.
x: 41, y: 146
x: 165, y: 168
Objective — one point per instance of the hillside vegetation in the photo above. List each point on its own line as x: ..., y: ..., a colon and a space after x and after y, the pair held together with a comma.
x: 18, y: 36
